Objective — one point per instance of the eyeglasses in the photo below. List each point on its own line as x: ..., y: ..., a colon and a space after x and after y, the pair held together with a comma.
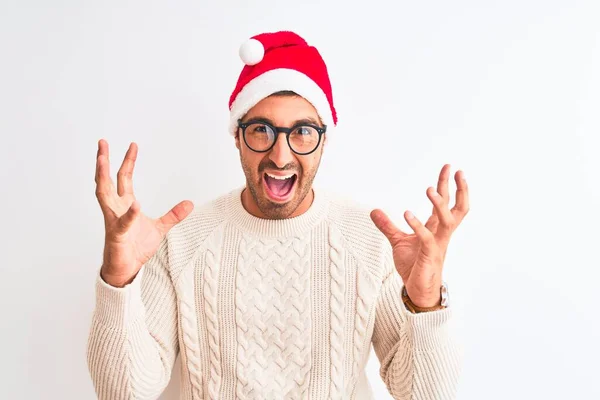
x: 260, y: 136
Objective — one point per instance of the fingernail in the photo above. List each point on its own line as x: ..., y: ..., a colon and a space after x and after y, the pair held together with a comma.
x: 409, y: 215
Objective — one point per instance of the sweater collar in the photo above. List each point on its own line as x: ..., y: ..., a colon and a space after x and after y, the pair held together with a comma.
x: 277, y: 227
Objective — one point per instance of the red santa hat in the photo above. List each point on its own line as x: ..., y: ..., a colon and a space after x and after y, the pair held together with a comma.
x: 281, y: 61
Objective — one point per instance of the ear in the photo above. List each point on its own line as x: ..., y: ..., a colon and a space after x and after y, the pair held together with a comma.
x: 237, y: 141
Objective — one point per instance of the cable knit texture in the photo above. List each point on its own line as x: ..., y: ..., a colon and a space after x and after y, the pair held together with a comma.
x: 269, y: 309
x: 336, y: 336
x: 211, y: 293
x: 273, y: 317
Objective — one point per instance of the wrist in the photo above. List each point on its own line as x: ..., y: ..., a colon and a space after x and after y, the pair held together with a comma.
x: 113, y: 280
x: 429, y: 297
x: 425, y: 303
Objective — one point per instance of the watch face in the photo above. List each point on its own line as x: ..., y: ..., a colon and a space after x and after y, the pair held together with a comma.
x: 445, y: 295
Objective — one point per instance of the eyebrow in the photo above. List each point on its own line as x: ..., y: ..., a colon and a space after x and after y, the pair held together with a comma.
x: 307, y: 120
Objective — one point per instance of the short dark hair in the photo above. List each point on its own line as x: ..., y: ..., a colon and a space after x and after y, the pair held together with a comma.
x: 285, y: 93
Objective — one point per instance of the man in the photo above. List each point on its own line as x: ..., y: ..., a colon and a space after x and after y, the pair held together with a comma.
x: 275, y: 290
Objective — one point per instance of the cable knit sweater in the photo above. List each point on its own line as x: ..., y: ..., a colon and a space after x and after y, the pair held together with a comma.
x: 269, y: 309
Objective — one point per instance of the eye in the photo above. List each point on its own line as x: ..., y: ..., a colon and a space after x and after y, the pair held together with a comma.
x: 303, y: 130
x: 258, y: 128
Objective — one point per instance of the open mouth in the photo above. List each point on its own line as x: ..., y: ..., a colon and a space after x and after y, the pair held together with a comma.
x: 280, y: 188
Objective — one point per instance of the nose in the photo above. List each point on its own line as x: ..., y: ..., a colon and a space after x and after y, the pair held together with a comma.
x: 280, y: 153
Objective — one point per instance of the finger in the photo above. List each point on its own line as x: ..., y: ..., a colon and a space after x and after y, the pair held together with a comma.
x: 433, y: 221
x: 425, y: 235
x: 386, y: 226
x: 461, y: 208
x: 104, y: 185
x: 102, y: 151
x: 442, y: 189
x: 175, y: 215
x: 442, y: 185
x: 126, y: 220
x: 446, y: 220
x: 125, y: 174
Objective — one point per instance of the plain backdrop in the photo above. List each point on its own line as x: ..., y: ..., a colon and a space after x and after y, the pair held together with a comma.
x: 508, y: 91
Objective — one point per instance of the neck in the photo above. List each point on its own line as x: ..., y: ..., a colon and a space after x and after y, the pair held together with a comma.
x: 252, y: 208
x: 306, y: 217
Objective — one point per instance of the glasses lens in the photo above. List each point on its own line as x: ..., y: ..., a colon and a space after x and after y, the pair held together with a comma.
x: 259, y: 137
x: 304, y: 139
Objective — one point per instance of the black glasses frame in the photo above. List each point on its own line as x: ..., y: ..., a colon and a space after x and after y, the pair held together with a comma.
x: 278, y: 130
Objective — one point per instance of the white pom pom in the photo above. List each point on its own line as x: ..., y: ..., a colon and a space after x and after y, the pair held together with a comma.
x: 252, y: 52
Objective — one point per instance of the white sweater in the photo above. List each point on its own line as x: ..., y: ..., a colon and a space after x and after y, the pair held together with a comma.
x: 269, y: 309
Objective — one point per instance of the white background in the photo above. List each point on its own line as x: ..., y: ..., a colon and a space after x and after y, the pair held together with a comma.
x: 508, y: 91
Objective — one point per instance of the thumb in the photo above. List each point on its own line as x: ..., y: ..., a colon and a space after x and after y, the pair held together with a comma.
x: 176, y: 215
x: 386, y: 226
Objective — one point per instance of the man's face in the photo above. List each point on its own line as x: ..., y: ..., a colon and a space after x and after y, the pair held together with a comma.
x: 277, y: 198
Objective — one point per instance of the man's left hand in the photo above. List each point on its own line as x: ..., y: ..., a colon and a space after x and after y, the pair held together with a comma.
x: 419, y: 257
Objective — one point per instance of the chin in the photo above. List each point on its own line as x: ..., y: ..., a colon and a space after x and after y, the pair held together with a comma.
x: 278, y: 209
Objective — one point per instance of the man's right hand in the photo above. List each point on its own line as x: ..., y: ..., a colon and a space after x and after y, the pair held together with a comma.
x: 131, y: 237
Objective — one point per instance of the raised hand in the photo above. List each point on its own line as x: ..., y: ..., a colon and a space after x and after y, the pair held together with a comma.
x: 419, y: 257
x: 131, y: 238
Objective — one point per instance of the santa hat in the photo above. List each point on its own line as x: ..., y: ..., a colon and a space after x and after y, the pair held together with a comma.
x: 281, y: 61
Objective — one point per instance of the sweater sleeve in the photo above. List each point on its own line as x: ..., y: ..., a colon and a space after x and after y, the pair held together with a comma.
x: 132, y: 343
x: 420, y: 355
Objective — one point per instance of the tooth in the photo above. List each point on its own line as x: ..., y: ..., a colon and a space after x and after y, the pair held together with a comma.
x: 281, y: 178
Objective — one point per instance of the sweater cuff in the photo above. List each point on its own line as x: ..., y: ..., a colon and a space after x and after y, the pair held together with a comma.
x: 430, y: 330
x: 117, y: 307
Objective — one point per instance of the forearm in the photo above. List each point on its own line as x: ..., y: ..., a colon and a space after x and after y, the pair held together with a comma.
x: 425, y: 363
x: 419, y: 353
x: 129, y: 356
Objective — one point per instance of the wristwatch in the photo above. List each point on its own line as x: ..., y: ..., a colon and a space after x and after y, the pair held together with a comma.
x: 445, y: 295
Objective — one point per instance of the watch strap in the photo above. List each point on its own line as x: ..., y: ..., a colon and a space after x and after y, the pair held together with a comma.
x: 416, y: 309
